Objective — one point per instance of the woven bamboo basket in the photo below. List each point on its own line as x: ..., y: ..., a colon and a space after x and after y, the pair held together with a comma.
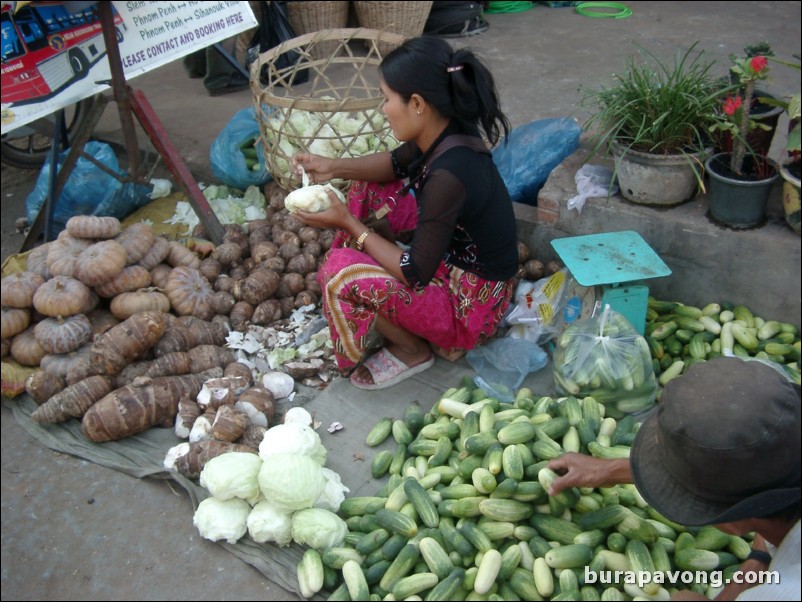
x: 406, y: 19
x: 311, y: 16
x: 336, y: 113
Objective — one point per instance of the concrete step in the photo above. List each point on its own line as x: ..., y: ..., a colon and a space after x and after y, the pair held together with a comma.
x: 758, y: 267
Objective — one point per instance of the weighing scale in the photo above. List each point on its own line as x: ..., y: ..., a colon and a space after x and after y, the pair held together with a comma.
x: 616, y: 262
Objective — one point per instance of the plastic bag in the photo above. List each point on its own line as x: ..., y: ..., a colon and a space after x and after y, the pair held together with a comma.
x: 502, y: 364
x: 88, y: 191
x: 592, y: 181
x: 274, y: 29
x: 229, y: 164
x: 531, y: 152
x: 538, y: 306
x: 605, y: 358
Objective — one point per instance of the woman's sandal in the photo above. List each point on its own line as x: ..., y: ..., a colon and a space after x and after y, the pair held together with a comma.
x: 387, y: 370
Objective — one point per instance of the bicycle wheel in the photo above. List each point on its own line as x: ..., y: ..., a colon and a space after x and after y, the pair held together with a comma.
x: 27, y: 146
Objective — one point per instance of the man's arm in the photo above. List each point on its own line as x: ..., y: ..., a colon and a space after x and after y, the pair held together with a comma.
x: 578, y: 470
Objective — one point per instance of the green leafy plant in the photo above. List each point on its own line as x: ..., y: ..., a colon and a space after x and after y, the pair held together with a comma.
x: 656, y: 107
x: 792, y: 107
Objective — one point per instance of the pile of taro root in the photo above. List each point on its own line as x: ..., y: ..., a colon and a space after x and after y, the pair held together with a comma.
x: 125, y: 329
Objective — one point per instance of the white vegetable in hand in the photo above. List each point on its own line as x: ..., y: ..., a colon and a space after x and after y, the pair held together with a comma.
x: 313, y: 198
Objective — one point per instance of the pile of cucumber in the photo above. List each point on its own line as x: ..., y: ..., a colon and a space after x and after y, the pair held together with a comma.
x: 681, y: 335
x: 464, y: 514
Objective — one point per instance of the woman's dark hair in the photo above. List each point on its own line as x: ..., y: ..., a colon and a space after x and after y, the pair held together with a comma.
x: 466, y: 93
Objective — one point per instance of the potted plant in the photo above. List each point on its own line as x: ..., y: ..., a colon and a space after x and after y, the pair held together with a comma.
x: 741, y: 181
x: 655, y: 119
x: 764, y: 110
x: 790, y: 169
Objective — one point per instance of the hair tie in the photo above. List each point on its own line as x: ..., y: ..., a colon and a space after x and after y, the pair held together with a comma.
x: 453, y: 69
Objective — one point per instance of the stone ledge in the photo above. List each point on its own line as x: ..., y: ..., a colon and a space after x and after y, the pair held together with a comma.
x: 759, y: 267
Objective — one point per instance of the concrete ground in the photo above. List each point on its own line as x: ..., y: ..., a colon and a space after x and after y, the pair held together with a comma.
x: 73, y: 530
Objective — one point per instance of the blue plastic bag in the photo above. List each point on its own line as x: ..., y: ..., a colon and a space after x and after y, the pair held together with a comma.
x: 531, y: 152
x: 502, y: 364
x: 228, y: 162
x: 88, y: 191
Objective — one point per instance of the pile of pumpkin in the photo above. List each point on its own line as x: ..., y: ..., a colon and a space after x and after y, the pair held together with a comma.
x: 103, y: 309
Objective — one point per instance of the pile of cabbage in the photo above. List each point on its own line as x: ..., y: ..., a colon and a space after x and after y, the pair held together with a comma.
x: 283, y: 494
x: 337, y: 134
x: 230, y: 205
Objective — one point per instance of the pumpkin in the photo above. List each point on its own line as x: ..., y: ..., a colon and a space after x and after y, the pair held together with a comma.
x: 93, y: 226
x: 62, y: 296
x: 36, y: 261
x: 63, y: 252
x: 14, y: 321
x: 137, y: 239
x: 26, y: 350
x: 189, y: 292
x: 18, y: 289
x: 131, y: 278
x: 99, y: 263
x: 156, y: 254
x: 179, y: 255
x: 125, y: 305
x: 62, y: 335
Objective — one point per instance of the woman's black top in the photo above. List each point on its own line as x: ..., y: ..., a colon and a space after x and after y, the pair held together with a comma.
x: 465, y: 214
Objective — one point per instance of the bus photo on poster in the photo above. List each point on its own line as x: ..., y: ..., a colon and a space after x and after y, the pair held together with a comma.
x: 46, y: 48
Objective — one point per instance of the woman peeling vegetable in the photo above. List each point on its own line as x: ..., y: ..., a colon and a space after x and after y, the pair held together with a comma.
x: 450, y: 287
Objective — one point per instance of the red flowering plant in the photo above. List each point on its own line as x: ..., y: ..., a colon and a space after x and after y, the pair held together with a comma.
x: 736, y: 109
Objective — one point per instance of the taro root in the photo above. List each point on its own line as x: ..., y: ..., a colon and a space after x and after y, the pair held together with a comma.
x: 259, y: 285
x: 302, y: 263
x: 241, y: 315
x: 552, y: 267
x: 264, y: 250
x: 227, y: 253
x: 210, y: 268
x: 312, y: 284
x: 277, y: 264
x: 238, y: 369
x: 308, y: 234
x: 523, y: 252
x: 290, y: 284
x: 229, y: 424
x: 222, y: 302
x: 266, y: 313
x: 534, y: 270
x: 305, y: 298
x: 289, y: 250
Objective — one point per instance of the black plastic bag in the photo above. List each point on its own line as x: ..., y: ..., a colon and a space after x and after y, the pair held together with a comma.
x: 274, y: 29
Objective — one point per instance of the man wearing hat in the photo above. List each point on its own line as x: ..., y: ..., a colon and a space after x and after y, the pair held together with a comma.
x: 723, y: 449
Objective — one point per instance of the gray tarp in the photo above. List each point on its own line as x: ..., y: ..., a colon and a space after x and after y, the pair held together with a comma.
x: 358, y: 411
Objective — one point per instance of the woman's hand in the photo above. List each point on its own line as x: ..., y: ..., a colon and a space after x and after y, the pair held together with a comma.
x: 336, y: 216
x: 319, y: 169
x: 578, y: 470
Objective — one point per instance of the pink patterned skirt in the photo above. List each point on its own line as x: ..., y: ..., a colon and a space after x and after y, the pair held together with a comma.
x: 456, y: 310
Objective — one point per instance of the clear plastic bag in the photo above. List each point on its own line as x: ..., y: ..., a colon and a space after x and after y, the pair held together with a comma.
x: 228, y: 162
x: 538, y: 306
x: 502, y: 364
x: 592, y: 181
x: 605, y: 358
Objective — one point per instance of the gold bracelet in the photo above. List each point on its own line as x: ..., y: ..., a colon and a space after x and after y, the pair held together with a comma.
x: 360, y: 242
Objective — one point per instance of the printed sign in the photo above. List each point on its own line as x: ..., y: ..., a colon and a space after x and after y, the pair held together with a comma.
x: 53, y: 53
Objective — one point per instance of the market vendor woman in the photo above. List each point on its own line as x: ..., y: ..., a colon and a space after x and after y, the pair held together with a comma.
x: 449, y: 288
